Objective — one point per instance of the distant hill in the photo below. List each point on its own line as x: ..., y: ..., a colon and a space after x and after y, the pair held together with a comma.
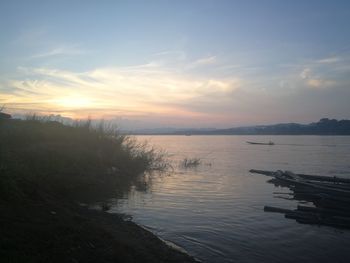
x: 324, y: 126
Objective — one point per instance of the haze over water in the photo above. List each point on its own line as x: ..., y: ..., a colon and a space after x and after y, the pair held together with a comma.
x: 215, y: 211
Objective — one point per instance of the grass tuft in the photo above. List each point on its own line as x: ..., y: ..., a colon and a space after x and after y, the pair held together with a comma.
x: 190, y: 162
x: 76, y: 161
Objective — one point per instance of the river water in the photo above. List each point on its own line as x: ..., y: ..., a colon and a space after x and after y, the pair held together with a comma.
x: 215, y: 210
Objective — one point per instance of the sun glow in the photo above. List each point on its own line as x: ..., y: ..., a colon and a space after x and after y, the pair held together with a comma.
x: 74, y: 102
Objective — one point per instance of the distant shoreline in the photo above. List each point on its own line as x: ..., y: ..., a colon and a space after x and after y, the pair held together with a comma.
x: 175, y: 134
x: 324, y: 126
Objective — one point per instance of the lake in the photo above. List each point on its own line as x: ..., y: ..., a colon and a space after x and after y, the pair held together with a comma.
x: 215, y: 210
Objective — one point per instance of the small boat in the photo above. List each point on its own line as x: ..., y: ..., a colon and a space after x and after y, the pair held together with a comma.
x: 262, y: 143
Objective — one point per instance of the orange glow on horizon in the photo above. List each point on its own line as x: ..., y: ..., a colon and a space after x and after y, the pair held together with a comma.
x: 73, y: 102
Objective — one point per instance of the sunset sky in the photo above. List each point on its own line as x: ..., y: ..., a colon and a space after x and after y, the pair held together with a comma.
x: 177, y: 63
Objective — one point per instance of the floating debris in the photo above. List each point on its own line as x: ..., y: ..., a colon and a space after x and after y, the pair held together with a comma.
x: 330, y: 197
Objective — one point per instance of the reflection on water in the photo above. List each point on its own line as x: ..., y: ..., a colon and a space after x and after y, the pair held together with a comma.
x: 215, y: 210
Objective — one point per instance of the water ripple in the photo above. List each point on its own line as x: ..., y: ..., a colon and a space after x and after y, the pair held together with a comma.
x: 216, y: 212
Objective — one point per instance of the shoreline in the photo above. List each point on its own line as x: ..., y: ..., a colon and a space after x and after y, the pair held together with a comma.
x: 53, y: 231
x: 169, y: 244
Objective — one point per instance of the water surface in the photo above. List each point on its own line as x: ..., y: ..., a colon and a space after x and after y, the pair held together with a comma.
x: 215, y: 211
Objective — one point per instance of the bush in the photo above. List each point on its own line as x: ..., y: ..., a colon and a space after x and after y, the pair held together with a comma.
x: 76, y: 161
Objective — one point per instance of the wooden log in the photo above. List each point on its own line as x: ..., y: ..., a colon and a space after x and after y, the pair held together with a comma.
x: 311, y: 218
x: 336, y: 223
x: 324, y: 211
x: 332, y: 204
x: 308, y: 209
x: 276, y: 209
x: 342, y: 219
x: 320, y: 178
x: 268, y: 173
x: 284, y: 197
x: 312, y: 198
x: 304, y: 190
x: 332, y: 185
x: 333, y: 179
x: 311, y: 215
x: 335, y: 198
x: 321, y: 189
x: 306, y: 221
x: 330, y: 195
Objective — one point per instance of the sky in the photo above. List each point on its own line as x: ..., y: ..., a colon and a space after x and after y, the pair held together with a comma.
x: 151, y: 64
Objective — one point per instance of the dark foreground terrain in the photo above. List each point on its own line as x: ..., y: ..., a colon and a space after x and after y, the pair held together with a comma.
x: 48, y: 231
x: 46, y: 170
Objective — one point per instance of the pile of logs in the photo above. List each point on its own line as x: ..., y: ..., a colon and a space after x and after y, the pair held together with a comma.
x: 329, y: 196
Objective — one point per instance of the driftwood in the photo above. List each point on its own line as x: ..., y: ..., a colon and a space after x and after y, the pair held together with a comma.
x: 323, y: 211
x: 320, y: 178
x: 311, y: 215
x: 314, y: 187
x: 330, y: 197
x: 276, y: 209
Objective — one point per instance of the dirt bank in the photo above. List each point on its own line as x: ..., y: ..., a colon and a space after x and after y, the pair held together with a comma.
x: 49, y: 231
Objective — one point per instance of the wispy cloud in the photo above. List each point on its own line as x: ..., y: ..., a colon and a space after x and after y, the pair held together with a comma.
x: 61, y: 51
x: 311, y: 80
x: 323, y: 73
x: 178, y: 60
x: 329, y: 60
x: 202, y: 62
x: 177, y: 54
x: 122, y: 89
x: 305, y: 74
x: 319, y: 83
x: 173, y: 89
